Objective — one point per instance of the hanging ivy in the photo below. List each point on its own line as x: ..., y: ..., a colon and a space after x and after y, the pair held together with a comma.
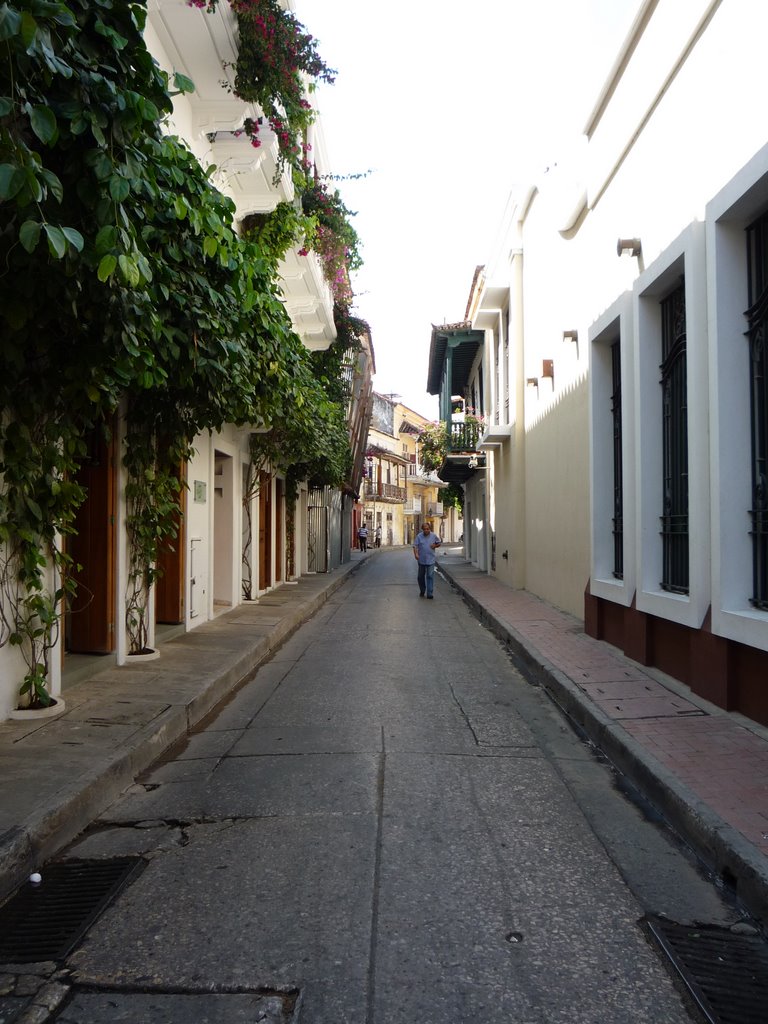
x: 122, y: 282
x: 433, y: 446
x: 333, y: 238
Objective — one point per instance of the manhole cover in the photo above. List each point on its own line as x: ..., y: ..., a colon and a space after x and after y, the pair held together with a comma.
x: 46, y: 921
x: 726, y: 973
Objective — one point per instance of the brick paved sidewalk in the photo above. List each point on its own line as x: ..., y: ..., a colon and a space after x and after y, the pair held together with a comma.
x: 713, y: 764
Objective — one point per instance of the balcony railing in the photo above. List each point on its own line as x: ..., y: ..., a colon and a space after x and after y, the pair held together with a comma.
x: 463, y: 437
x: 463, y: 456
x: 387, y: 492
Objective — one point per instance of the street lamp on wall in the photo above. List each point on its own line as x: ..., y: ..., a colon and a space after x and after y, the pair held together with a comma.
x: 629, y: 247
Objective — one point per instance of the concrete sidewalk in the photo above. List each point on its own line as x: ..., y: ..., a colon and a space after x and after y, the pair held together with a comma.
x: 58, y: 774
x: 704, y: 769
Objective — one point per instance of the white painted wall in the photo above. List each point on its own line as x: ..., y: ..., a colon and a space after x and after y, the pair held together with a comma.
x: 673, y: 155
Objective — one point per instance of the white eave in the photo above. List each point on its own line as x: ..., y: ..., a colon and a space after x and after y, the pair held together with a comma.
x: 203, y: 46
x: 308, y: 299
x: 250, y: 174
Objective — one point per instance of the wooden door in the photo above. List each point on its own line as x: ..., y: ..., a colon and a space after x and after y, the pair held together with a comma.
x: 265, y: 531
x: 90, y: 619
x: 170, y: 589
x: 280, y: 513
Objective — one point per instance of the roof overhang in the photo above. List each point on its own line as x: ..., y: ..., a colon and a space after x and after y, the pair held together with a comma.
x: 465, y: 342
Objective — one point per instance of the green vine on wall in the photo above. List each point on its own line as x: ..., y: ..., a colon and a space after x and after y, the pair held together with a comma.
x: 152, y: 513
x: 123, y: 284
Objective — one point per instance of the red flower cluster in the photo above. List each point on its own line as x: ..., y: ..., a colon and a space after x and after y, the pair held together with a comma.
x: 276, y: 63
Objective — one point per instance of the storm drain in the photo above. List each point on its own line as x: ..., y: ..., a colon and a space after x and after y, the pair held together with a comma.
x: 726, y: 973
x: 46, y: 921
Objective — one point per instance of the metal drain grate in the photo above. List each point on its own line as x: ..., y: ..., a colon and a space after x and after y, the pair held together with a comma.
x: 46, y: 921
x: 726, y: 973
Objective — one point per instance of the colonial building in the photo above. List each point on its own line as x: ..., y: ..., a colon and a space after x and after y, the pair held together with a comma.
x: 619, y: 331
x: 242, y: 531
x: 456, y: 360
x: 386, y: 472
x: 422, y: 487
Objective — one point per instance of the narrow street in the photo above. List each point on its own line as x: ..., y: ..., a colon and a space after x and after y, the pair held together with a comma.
x: 388, y: 825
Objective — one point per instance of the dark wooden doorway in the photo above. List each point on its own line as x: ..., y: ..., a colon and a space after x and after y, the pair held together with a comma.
x: 279, y: 533
x: 171, y: 560
x: 265, y: 530
x: 90, y: 619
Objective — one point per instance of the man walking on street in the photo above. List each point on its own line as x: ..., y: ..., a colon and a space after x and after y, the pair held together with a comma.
x: 362, y: 536
x: 424, y: 547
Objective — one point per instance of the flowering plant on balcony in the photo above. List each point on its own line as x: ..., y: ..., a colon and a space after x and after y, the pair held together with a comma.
x: 474, y: 427
x: 433, y: 446
x: 334, y: 239
x: 277, y: 65
x: 320, y: 223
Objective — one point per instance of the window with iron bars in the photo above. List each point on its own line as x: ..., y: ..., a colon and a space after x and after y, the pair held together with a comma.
x: 618, y: 464
x: 757, y: 321
x: 674, y: 387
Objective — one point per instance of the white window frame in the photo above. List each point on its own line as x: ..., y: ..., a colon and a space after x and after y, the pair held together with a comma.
x: 739, y: 203
x: 615, y: 324
x: 686, y: 257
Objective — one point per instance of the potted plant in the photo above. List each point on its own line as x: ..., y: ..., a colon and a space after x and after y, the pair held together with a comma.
x: 39, y: 497
x: 474, y: 427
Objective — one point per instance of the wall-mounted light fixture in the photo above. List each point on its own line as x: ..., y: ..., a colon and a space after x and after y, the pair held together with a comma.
x: 505, y: 554
x: 533, y: 382
x: 574, y: 337
x: 629, y: 247
x: 548, y: 370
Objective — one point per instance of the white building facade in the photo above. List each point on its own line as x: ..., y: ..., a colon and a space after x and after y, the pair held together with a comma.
x: 624, y: 360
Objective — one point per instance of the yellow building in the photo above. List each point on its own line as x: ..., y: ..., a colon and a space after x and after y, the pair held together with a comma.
x: 423, y: 489
x: 384, y: 491
x: 398, y: 492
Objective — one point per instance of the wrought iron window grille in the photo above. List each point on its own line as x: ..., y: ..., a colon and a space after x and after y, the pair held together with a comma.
x: 674, y: 385
x: 757, y: 320
x: 618, y: 465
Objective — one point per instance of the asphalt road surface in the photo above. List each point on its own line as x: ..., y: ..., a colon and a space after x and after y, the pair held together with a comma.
x: 388, y: 825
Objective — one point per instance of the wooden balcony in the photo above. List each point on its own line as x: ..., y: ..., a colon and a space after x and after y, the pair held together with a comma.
x: 463, y: 437
x: 383, y: 492
x: 463, y: 457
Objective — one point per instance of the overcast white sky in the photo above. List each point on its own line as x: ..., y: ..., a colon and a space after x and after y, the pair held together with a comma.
x: 449, y: 104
